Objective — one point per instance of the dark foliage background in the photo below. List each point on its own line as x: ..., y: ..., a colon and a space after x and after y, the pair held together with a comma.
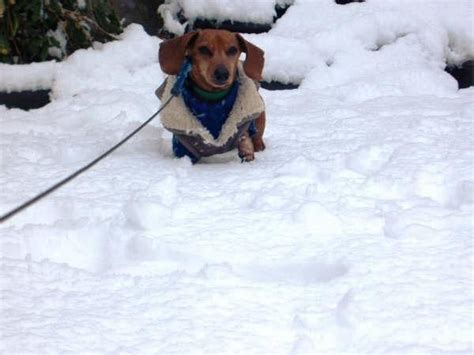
x: 39, y: 30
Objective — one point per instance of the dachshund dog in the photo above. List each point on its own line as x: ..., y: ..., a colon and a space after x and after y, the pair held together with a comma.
x: 220, y: 108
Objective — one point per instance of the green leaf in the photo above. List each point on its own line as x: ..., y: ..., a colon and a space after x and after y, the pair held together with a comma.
x: 14, y: 24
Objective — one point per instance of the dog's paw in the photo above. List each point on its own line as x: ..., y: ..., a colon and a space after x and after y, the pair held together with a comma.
x: 258, y: 144
x: 246, y: 157
x: 246, y: 150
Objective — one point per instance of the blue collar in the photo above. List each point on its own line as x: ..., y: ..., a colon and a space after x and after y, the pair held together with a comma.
x: 211, y: 114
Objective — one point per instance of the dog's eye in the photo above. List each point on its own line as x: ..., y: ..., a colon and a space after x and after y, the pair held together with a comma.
x: 205, y: 51
x: 232, y: 51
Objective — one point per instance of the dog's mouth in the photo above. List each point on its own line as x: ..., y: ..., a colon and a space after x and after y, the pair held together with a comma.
x: 220, y: 86
x: 216, y: 86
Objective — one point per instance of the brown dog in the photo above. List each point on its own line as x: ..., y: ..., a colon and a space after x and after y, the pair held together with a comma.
x: 215, y: 62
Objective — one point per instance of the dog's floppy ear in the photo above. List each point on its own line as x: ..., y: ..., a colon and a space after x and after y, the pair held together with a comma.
x: 172, y: 52
x: 253, y: 65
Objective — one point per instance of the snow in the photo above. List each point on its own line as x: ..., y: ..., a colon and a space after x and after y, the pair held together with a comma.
x: 60, y: 36
x: 260, y: 11
x: 34, y: 76
x: 351, y: 233
x: 379, y: 37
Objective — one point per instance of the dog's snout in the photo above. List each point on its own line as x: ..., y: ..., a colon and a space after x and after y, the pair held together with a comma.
x: 221, y: 74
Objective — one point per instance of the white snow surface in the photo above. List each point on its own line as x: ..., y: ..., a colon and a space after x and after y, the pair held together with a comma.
x: 351, y: 233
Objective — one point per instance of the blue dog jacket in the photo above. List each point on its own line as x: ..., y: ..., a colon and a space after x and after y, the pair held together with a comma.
x: 211, y: 114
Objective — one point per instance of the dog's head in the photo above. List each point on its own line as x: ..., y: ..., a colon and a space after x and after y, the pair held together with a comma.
x: 214, y: 54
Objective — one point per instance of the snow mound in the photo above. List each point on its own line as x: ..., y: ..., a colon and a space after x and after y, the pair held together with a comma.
x: 36, y: 76
x: 100, y: 65
x: 338, y: 44
x: 258, y: 12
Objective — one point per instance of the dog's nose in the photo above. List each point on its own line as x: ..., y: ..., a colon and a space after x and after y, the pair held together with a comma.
x: 221, y: 74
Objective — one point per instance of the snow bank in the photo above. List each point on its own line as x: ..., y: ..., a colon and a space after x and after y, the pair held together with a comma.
x: 368, y: 40
x: 108, y: 66
x: 362, y: 41
x: 259, y: 12
x: 85, y: 69
x: 34, y: 76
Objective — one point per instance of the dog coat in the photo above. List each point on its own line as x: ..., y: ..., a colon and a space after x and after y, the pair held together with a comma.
x: 212, y: 113
x: 194, y: 136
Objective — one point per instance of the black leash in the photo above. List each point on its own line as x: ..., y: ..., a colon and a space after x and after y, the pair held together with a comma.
x: 175, y: 91
x: 64, y: 181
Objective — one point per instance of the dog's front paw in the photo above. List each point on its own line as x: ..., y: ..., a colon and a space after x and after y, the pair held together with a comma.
x: 246, y: 150
x: 246, y: 157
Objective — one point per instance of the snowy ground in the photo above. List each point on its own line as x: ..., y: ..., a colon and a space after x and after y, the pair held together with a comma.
x: 352, y: 232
